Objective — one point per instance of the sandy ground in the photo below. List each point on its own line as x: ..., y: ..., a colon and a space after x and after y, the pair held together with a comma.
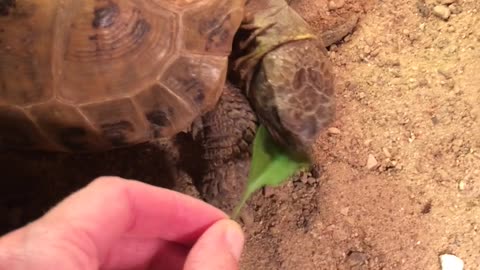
x: 398, y: 175
x: 409, y: 99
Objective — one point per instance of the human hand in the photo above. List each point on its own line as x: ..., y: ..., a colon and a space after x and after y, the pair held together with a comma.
x: 121, y: 224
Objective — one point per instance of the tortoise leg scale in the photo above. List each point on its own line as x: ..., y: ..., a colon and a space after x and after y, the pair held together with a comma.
x: 226, y: 135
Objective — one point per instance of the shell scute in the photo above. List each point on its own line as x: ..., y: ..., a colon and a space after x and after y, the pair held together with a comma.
x: 101, y: 74
x: 118, y: 48
x: 198, y: 79
x: 66, y: 125
x: 18, y: 130
x: 164, y: 110
x: 117, y: 120
x: 25, y: 53
x: 212, y: 34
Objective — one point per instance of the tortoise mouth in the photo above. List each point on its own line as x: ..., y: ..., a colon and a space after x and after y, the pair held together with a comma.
x: 297, y: 149
x: 297, y: 136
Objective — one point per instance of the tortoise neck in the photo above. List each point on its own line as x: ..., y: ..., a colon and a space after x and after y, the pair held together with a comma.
x: 270, y: 24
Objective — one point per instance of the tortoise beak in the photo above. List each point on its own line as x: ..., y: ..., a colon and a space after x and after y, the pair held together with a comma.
x: 296, y: 135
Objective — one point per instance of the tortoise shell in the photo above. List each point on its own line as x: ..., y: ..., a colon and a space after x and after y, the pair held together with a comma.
x: 99, y: 74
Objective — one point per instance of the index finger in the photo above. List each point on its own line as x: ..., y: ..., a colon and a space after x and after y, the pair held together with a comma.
x: 112, y: 207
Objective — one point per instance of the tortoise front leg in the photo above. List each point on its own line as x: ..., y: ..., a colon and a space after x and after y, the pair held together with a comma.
x: 226, y: 135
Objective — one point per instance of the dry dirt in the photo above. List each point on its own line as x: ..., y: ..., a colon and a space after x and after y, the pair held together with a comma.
x: 408, y: 98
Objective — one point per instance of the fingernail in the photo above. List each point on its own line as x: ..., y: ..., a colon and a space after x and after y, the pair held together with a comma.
x: 235, y: 239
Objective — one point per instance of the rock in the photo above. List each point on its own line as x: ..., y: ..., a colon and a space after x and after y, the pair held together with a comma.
x: 423, y: 8
x: 335, y: 4
x: 304, y: 178
x: 372, y: 162
x: 386, y: 152
x: 450, y: 84
x: 316, y: 171
x: 442, y: 11
x: 356, y: 258
x: 455, y: 8
x: 311, y: 180
x: 247, y: 218
x: 461, y: 185
x: 447, y: 2
x: 334, y: 131
x: 451, y: 262
x: 446, y: 73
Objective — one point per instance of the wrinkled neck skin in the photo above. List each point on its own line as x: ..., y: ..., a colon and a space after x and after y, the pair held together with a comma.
x: 269, y: 24
x: 282, y: 24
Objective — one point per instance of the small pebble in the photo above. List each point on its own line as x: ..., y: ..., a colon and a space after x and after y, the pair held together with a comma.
x: 311, y: 180
x: 455, y: 8
x: 445, y: 72
x: 304, y: 178
x: 335, y: 4
x: 386, y: 152
x: 447, y: 2
x: 423, y: 8
x: 356, y: 258
x: 316, y: 171
x: 461, y: 185
x: 451, y: 262
x: 372, y: 162
x: 450, y: 84
x: 442, y: 11
x: 334, y: 131
x: 247, y: 218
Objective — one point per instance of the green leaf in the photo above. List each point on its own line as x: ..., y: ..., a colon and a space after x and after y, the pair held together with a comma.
x: 271, y: 165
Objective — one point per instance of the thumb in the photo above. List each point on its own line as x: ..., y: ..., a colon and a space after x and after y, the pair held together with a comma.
x: 218, y: 248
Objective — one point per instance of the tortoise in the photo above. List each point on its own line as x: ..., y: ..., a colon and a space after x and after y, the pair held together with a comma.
x: 96, y: 75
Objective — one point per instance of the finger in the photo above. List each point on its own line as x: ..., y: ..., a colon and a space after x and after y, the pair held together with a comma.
x: 141, y: 254
x: 220, y: 247
x: 34, y: 247
x: 89, y: 222
x: 112, y: 207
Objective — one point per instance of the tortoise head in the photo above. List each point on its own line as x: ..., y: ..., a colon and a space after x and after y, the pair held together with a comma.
x: 289, y: 78
x: 292, y: 93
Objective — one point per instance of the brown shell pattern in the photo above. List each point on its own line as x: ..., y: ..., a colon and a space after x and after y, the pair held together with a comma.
x: 98, y: 74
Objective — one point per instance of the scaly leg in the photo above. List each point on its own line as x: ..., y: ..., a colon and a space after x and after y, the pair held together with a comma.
x: 226, y: 135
